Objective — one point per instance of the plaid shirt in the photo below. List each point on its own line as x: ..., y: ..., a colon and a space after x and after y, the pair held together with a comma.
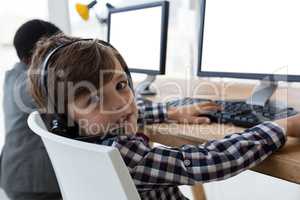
x: 158, y: 171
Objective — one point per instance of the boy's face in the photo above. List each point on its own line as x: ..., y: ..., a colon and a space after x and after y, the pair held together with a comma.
x: 110, y: 107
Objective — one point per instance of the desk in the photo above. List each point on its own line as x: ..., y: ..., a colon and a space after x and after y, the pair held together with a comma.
x: 284, y: 164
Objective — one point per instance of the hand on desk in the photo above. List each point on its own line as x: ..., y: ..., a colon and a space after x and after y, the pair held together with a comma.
x: 190, y: 113
x: 291, y: 125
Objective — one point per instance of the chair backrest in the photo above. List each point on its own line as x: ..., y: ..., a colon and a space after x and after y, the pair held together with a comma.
x: 84, y: 170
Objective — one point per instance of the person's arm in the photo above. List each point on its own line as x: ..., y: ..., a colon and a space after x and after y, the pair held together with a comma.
x: 156, y: 167
x: 150, y: 112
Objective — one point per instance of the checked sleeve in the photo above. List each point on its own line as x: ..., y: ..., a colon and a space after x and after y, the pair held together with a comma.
x: 152, y: 168
x: 150, y: 112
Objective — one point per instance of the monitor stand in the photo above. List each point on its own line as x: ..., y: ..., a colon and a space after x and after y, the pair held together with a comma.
x: 144, y: 87
x: 262, y: 93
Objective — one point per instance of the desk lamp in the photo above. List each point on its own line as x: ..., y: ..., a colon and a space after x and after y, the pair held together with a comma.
x: 83, y: 9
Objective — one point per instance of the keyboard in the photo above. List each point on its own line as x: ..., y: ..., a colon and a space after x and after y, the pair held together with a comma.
x: 239, y: 113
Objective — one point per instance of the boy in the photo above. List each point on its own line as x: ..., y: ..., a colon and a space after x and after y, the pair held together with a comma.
x: 102, y: 100
x: 26, y: 171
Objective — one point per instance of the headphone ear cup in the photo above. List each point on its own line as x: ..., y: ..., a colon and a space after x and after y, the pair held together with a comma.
x: 58, y: 125
x: 61, y: 127
x: 52, y: 122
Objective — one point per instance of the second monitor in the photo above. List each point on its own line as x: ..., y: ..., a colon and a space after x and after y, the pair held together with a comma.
x: 251, y: 39
x: 140, y: 35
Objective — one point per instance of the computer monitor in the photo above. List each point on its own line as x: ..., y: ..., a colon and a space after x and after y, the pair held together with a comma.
x: 140, y: 35
x: 250, y: 39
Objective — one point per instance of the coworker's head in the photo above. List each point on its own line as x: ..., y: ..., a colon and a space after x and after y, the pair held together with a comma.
x: 87, y: 82
x: 28, y: 34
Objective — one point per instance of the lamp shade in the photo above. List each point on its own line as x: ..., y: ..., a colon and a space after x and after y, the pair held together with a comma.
x: 83, y: 10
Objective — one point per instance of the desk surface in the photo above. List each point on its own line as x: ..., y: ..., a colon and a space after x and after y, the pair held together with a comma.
x: 284, y: 164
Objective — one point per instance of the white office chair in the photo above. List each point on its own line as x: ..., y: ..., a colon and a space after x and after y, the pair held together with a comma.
x: 84, y: 170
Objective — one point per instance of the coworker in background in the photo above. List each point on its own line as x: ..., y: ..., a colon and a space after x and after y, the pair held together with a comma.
x: 106, y: 102
x: 26, y: 171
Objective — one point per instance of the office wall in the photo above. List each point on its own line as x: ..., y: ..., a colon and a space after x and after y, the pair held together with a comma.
x: 59, y: 14
x: 14, y: 13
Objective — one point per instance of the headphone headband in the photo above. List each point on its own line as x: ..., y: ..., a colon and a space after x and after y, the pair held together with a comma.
x: 44, y: 70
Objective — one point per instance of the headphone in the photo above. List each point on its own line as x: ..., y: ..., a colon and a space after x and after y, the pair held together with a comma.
x: 58, y: 123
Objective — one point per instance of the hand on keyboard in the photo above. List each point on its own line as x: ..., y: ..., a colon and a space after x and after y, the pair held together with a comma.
x: 192, y: 113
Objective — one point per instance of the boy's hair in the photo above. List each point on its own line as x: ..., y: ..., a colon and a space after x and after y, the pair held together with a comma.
x: 81, y: 61
x: 28, y: 34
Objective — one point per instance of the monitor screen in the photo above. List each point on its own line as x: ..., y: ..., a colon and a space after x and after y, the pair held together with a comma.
x: 139, y: 34
x: 245, y: 38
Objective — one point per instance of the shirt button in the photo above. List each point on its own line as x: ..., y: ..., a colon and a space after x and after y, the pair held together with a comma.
x: 187, y: 163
